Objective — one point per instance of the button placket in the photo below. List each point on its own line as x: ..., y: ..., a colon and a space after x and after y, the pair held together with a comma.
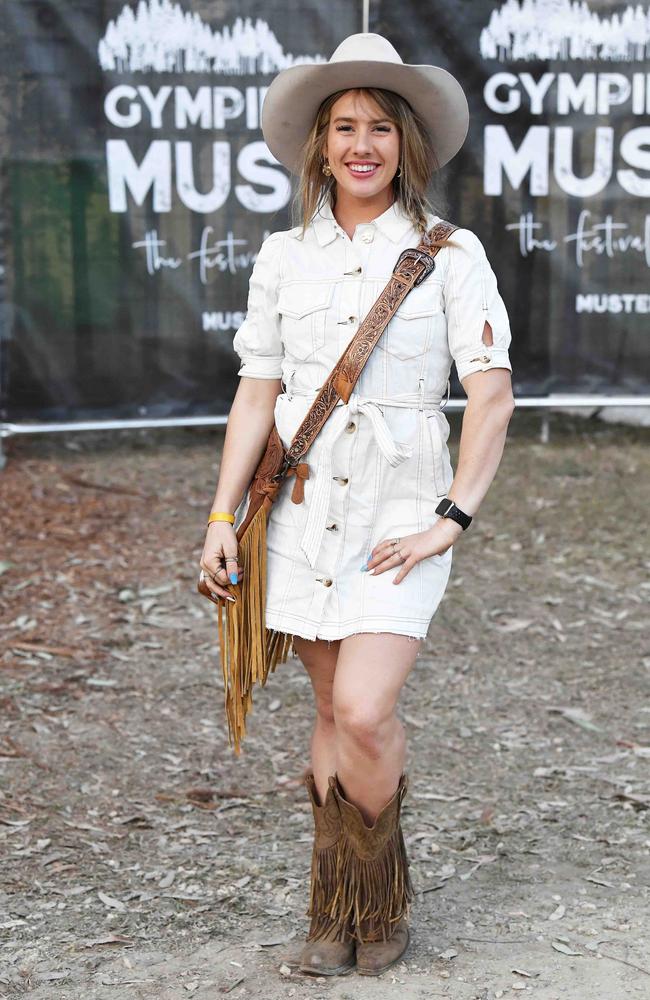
x: 350, y: 296
x: 352, y: 264
x: 332, y: 538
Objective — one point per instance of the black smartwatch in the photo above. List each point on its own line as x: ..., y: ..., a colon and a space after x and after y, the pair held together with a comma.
x: 447, y: 508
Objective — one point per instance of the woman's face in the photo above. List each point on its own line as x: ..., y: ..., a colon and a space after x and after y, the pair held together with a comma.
x: 362, y: 146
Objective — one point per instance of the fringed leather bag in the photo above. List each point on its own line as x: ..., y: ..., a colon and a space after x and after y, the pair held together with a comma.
x: 249, y: 650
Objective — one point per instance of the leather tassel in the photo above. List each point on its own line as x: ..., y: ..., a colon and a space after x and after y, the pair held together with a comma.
x: 322, y: 891
x: 301, y: 472
x: 249, y: 651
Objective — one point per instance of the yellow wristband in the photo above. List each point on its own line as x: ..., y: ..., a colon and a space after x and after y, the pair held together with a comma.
x: 219, y: 515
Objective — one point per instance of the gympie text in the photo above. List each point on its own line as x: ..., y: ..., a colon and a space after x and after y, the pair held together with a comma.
x: 521, y: 155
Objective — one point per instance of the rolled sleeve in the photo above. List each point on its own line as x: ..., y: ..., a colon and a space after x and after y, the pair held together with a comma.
x: 471, y: 297
x: 257, y: 341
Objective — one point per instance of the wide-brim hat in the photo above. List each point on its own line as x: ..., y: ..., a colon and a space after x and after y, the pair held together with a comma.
x: 362, y: 60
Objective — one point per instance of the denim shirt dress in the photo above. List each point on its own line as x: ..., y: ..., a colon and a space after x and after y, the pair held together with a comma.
x: 381, y: 464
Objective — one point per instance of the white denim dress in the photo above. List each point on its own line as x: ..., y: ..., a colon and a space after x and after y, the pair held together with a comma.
x: 380, y: 465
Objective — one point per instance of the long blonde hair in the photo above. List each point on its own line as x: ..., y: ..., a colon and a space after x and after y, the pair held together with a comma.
x: 418, y: 163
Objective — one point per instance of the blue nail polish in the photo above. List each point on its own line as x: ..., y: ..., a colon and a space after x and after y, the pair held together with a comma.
x: 233, y: 578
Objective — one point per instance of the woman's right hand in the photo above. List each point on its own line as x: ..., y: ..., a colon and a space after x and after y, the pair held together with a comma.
x: 219, y: 560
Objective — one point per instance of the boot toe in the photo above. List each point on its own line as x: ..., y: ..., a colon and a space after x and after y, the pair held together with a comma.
x: 327, y: 958
x: 374, y: 957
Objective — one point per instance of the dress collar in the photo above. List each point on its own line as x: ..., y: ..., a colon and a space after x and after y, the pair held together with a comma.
x: 393, y: 223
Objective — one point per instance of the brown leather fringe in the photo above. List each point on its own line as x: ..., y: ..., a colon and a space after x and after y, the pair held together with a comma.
x: 323, y: 891
x: 373, y: 894
x: 249, y: 651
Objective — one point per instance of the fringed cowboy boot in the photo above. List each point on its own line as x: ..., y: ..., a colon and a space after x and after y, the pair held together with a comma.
x: 330, y: 946
x: 374, y: 884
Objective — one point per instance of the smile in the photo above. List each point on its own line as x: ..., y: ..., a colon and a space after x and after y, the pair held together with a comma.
x: 362, y: 170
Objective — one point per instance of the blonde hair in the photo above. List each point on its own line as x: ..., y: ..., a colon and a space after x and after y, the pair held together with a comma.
x: 418, y: 163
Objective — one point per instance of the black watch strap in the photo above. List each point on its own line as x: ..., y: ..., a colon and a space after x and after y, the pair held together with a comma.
x: 447, y: 508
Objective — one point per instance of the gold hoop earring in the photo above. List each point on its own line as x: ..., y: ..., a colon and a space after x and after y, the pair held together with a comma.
x: 327, y: 170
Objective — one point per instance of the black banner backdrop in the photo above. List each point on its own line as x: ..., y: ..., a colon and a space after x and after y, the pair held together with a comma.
x: 554, y: 174
x: 136, y: 187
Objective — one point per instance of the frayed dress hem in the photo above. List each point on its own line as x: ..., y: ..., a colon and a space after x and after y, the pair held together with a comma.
x: 373, y: 626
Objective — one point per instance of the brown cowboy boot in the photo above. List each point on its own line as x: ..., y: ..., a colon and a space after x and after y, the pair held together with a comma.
x: 330, y: 948
x: 374, y: 884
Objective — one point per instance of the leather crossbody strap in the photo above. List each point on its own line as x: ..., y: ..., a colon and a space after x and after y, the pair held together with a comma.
x: 413, y: 266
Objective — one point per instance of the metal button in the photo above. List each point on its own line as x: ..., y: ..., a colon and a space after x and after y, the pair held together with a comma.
x: 355, y: 270
x: 332, y: 527
x: 352, y: 319
x: 327, y: 582
x: 483, y: 357
x: 341, y: 480
x: 351, y: 427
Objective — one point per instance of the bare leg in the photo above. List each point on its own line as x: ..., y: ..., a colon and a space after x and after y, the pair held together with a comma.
x: 370, y: 741
x: 319, y: 660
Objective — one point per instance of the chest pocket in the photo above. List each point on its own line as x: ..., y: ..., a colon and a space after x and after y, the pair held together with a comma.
x: 408, y: 334
x: 303, y: 308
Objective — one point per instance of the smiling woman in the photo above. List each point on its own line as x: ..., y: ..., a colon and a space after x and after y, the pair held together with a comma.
x: 373, y: 148
x: 356, y: 568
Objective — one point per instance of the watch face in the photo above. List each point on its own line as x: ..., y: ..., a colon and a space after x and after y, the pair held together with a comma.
x: 447, y: 508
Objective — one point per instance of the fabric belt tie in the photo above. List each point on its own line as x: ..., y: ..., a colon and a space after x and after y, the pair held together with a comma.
x: 393, y: 451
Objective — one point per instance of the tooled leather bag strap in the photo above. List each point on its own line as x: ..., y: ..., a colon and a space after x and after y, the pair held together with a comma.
x: 413, y: 266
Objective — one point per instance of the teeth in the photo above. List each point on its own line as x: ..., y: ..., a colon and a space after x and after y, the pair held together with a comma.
x: 362, y: 169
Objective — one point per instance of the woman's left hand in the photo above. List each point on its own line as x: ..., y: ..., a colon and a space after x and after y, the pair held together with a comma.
x: 410, y: 549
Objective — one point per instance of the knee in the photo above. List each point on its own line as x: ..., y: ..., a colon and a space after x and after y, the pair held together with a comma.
x: 366, y: 726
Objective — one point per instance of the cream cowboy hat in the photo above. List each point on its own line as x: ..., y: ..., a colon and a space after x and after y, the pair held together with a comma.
x: 362, y: 60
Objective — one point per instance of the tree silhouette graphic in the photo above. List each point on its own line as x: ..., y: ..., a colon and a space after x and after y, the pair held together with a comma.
x: 161, y: 37
x: 564, y: 29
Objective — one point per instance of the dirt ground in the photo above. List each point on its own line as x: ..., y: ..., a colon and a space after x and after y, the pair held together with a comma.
x: 141, y: 858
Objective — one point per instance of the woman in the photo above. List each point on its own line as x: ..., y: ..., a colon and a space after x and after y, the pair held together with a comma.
x: 357, y: 570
